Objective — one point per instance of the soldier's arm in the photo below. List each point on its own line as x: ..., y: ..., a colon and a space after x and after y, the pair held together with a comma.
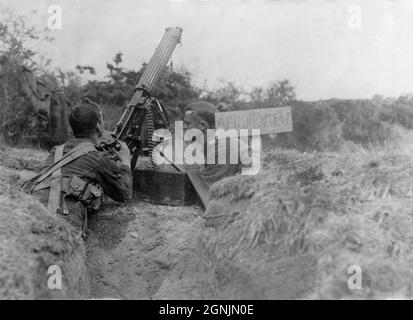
x: 115, y: 178
x: 215, y: 172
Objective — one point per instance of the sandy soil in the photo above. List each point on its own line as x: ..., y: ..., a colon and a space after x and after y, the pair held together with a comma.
x: 145, y: 251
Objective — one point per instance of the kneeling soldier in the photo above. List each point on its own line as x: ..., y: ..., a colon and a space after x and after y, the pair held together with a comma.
x: 201, y: 115
x: 77, y: 174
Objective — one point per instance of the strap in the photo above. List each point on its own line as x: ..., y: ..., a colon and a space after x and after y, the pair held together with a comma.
x: 48, y: 182
x: 55, y: 186
x: 75, y: 153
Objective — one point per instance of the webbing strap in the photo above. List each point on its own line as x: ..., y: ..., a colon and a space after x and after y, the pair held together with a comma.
x: 55, y: 185
x: 72, y: 155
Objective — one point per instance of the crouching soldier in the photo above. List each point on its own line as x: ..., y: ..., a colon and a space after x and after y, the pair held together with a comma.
x: 76, y: 174
x: 223, y: 156
x: 219, y: 152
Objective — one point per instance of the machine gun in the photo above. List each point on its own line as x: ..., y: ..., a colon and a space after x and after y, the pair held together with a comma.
x: 144, y: 113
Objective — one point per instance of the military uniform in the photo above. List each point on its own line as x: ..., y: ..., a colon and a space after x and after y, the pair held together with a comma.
x: 81, y: 182
x: 214, y: 171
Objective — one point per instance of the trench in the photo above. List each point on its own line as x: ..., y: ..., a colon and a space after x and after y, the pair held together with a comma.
x: 145, y: 251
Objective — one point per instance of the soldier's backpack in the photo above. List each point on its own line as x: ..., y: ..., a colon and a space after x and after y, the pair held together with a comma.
x: 62, y: 186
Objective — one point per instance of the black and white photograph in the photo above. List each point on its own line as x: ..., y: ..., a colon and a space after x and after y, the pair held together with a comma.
x: 218, y: 151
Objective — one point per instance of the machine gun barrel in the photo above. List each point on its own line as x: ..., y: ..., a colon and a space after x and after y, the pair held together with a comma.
x: 148, y: 80
x: 160, y: 59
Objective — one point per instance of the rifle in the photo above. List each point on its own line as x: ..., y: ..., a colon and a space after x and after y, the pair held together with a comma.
x: 144, y: 113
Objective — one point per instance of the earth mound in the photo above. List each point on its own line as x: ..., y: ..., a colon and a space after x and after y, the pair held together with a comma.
x: 299, y: 228
x: 33, y: 243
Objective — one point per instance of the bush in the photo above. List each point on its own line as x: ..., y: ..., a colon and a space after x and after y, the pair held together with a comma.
x: 330, y: 124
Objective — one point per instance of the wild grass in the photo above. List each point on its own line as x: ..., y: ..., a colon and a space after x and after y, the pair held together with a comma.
x: 307, y: 217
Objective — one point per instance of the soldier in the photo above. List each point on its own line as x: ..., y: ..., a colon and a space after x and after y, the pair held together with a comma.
x: 77, y: 174
x: 201, y: 115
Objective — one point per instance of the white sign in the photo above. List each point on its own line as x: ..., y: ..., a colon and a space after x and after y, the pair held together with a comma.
x: 269, y: 120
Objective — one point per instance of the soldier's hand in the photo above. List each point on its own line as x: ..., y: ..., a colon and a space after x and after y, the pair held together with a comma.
x: 124, y: 154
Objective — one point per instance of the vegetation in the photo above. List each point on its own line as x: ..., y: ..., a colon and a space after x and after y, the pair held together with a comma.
x: 292, y: 231
x: 289, y: 232
x: 320, y: 125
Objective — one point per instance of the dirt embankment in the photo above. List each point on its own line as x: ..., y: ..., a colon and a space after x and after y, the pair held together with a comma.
x: 145, y: 251
x: 133, y: 251
x: 292, y: 231
x: 32, y: 240
x: 299, y: 225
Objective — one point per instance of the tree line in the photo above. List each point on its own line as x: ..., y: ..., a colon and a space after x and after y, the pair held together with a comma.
x: 326, y: 124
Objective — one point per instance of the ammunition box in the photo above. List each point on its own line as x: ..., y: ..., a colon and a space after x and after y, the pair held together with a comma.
x: 163, y: 187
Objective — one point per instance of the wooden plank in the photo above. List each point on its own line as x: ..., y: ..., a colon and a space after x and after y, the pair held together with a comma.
x: 268, y: 120
x: 200, y: 186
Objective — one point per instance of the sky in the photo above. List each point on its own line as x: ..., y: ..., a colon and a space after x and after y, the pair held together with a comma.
x: 326, y: 48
